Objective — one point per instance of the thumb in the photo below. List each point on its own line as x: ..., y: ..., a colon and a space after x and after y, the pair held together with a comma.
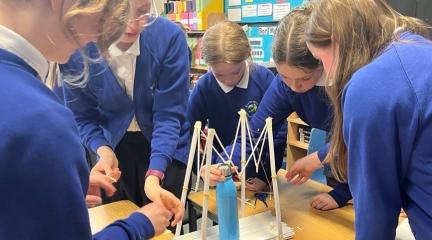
x: 107, y: 169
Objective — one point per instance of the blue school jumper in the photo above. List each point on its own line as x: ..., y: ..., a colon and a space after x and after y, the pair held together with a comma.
x: 103, y: 110
x: 313, y: 107
x: 387, y: 109
x: 43, y: 172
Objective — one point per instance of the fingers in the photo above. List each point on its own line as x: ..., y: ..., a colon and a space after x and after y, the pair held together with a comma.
x: 215, y: 175
x: 104, y: 182
x: 174, y: 205
x: 92, y: 200
x: 107, y: 169
x: 178, y: 215
x: 323, y: 202
x: 298, y: 180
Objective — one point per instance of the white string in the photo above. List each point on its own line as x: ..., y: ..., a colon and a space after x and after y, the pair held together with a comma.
x: 235, y: 139
x: 254, y: 148
x: 250, y: 140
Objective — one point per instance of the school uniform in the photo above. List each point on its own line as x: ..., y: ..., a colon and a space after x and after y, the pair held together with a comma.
x: 312, y: 106
x: 216, y: 105
x: 44, y: 176
x: 136, y: 104
x: 387, y: 110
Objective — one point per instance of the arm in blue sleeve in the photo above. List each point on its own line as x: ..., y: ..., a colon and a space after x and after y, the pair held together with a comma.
x: 341, y: 194
x: 378, y: 135
x: 322, y: 153
x: 197, y: 109
x: 83, y: 103
x: 136, y: 227
x: 170, y: 103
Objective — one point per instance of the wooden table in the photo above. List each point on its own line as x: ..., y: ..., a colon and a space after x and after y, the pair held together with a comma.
x: 308, y: 223
x: 104, y: 215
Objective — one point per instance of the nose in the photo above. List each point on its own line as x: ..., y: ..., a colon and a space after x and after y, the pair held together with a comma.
x: 297, y: 86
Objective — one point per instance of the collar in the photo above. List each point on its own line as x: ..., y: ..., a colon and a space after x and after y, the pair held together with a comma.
x: 16, y: 44
x: 134, y: 50
x: 244, y: 82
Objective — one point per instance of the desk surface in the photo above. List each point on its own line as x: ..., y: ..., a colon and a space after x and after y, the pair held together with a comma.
x: 308, y: 223
x: 102, y: 216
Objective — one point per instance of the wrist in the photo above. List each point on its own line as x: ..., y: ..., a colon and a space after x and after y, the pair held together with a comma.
x: 155, y: 174
x: 104, y: 151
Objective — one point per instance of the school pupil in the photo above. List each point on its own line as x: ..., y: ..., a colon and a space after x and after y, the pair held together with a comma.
x: 44, y: 175
x: 233, y: 82
x: 300, y: 88
x: 132, y: 111
x: 378, y: 64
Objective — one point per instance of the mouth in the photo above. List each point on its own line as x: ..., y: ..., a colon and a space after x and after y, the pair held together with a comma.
x: 128, y: 34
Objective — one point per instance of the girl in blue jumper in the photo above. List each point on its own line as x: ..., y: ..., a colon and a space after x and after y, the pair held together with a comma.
x: 43, y: 172
x: 132, y: 112
x: 378, y: 63
x: 299, y: 87
x: 232, y: 83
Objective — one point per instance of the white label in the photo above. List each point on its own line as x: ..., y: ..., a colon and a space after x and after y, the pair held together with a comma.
x: 234, y: 2
x: 234, y: 14
x: 263, y: 30
x: 256, y: 42
x: 257, y: 53
x: 272, y: 30
x: 249, y: 10
x: 280, y: 10
x: 265, y: 9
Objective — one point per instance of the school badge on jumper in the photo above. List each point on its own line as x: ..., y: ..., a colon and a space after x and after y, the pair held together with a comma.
x: 251, y: 108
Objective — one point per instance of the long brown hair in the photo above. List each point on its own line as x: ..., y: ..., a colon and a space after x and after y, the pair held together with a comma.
x: 361, y: 29
x: 289, y: 43
x: 225, y: 42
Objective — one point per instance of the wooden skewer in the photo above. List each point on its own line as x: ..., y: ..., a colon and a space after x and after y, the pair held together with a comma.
x: 274, y: 177
x: 210, y: 136
x: 242, y: 114
x: 195, y: 139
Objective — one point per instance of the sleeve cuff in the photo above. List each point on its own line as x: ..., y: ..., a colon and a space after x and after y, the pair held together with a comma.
x: 97, y: 142
x: 341, y: 194
x: 143, y: 224
x: 322, y: 153
x: 159, y: 163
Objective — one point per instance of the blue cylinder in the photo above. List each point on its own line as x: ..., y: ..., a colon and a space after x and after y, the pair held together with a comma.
x: 226, y: 197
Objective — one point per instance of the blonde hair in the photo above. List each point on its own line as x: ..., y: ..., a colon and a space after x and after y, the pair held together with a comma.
x: 113, y: 22
x: 225, y: 42
x: 289, y: 44
x: 362, y: 29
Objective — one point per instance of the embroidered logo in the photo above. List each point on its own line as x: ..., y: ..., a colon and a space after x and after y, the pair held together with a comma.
x: 251, y: 107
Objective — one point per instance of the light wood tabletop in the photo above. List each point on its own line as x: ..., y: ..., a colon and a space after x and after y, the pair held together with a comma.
x: 308, y: 223
x: 104, y: 215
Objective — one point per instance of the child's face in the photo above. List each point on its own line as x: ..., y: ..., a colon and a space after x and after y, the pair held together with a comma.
x: 137, y: 21
x: 299, y: 79
x: 329, y: 56
x: 229, y: 74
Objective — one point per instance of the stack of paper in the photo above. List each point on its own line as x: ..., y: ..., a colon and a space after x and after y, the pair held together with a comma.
x: 261, y: 226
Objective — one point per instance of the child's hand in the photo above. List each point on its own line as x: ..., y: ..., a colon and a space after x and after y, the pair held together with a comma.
x: 323, y: 202
x: 215, y: 174
x: 158, y: 215
x: 303, y: 169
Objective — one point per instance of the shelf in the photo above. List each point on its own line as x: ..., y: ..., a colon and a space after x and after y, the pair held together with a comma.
x: 297, y: 121
x: 201, y: 68
x: 299, y: 144
x: 196, y: 32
